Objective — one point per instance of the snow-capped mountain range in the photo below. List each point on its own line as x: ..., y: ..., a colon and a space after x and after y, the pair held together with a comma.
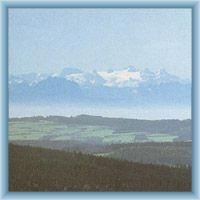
x: 130, y: 77
x: 113, y: 87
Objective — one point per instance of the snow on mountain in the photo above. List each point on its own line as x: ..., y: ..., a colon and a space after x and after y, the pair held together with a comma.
x: 132, y: 77
x: 86, y: 78
x: 129, y: 77
x: 120, y: 78
x: 29, y: 78
x: 114, y: 87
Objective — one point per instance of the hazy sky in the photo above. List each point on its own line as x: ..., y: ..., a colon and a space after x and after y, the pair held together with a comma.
x: 48, y: 40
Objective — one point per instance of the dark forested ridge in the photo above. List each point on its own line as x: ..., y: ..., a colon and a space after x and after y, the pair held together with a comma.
x: 167, y: 153
x: 37, y: 169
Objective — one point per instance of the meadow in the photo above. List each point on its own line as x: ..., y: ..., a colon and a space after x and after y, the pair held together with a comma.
x: 49, y: 130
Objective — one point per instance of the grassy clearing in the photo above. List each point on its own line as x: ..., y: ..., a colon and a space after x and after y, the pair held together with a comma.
x: 161, y: 138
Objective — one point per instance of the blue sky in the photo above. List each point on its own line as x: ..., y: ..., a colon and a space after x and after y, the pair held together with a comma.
x: 48, y: 40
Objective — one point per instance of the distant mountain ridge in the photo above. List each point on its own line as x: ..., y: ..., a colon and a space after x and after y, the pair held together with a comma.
x: 113, y: 87
x: 129, y: 77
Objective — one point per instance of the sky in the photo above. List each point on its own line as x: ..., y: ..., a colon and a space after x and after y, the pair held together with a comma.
x: 48, y: 40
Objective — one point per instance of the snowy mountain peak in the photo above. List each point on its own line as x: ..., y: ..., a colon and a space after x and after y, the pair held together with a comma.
x: 128, y: 77
x: 120, y: 78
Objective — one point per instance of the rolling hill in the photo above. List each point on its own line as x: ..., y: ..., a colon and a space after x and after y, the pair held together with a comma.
x: 37, y: 169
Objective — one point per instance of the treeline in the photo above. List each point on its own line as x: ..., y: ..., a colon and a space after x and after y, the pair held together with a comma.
x: 37, y: 169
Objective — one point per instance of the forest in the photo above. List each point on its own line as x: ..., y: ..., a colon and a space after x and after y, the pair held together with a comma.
x: 38, y: 169
x: 166, y: 153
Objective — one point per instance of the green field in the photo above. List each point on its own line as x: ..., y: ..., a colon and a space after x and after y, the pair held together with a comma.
x: 49, y: 130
